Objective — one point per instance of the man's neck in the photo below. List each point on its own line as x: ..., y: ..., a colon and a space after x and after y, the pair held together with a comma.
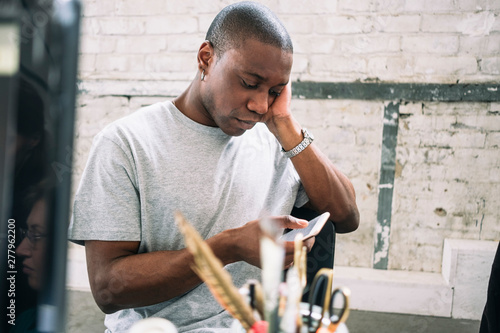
x: 189, y: 103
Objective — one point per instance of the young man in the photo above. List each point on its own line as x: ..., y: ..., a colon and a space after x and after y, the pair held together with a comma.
x: 215, y: 154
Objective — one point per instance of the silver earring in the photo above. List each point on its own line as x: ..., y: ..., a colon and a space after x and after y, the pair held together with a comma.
x: 203, y: 75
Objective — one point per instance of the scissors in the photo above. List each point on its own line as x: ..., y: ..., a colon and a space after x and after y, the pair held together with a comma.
x: 321, y: 286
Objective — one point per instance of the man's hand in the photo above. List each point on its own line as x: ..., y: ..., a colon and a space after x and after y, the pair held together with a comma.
x: 279, y: 112
x: 290, y: 250
x: 247, y: 239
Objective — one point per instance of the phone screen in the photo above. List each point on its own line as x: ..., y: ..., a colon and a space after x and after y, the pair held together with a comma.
x: 314, y: 227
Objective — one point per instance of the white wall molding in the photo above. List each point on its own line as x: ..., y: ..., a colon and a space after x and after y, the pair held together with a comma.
x: 459, y: 292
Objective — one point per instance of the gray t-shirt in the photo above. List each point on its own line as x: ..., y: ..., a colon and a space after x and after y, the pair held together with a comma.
x: 144, y: 167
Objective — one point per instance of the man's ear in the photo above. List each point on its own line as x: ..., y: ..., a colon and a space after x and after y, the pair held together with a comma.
x: 206, y: 56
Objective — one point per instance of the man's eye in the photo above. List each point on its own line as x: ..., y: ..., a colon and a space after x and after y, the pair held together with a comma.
x: 249, y: 86
x: 274, y: 93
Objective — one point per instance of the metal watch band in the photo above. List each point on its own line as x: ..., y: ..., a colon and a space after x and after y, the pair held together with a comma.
x: 308, y: 139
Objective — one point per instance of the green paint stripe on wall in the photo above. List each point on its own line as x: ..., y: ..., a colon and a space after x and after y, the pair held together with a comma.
x: 483, y: 92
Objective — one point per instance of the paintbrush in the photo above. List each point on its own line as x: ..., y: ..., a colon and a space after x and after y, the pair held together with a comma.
x: 272, y: 255
x: 291, y: 319
x: 210, y: 269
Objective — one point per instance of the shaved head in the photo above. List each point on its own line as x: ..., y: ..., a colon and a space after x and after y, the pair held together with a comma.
x: 247, y: 20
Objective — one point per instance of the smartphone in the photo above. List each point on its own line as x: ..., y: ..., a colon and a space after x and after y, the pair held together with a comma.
x: 314, y: 227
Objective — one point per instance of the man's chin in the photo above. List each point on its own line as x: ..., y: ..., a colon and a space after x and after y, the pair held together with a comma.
x: 234, y: 131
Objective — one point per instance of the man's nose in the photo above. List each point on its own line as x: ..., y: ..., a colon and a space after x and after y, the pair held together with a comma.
x: 259, y: 103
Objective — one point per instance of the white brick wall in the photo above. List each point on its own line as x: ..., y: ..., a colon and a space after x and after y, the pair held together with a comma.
x: 134, y: 53
x: 406, y: 32
x: 446, y: 186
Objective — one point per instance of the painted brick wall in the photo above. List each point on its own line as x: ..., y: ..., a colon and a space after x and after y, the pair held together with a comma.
x: 134, y: 53
x: 447, y: 180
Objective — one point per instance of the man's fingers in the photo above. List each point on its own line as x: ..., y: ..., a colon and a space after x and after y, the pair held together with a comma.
x: 308, y: 243
x: 290, y: 222
x: 290, y: 247
x: 288, y: 260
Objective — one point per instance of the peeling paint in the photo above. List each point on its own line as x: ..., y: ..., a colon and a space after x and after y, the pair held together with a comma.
x: 381, y: 243
x: 392, y: 122
x: 386, y: 185
x: 440, y: 211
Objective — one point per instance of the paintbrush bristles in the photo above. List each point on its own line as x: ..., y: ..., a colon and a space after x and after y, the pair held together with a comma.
x: 210, y: 269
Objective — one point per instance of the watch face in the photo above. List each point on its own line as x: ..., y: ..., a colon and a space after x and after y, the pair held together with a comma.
x: 308, y: 135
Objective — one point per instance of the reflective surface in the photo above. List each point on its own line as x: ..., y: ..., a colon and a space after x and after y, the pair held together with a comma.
x: 38, y: 84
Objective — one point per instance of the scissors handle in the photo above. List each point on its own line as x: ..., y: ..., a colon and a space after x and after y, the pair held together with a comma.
x: 321, y: 286
x: 344, y: 312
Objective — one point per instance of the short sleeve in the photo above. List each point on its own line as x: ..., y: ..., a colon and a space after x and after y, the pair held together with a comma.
x: 302, y: 197
x: 107, y: 202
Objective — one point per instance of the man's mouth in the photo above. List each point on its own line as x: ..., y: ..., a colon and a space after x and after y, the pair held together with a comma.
x: 246, y: 124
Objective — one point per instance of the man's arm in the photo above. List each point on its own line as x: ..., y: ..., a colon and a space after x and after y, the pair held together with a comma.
x: 121, y: 278
x: 328, y: 189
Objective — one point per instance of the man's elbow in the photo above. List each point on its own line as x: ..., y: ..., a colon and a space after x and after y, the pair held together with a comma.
x: 104, y: 296
x: 106, y: 307
x: 349, y: 223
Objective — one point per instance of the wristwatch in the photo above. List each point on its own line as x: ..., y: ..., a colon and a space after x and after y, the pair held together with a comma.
x: 308, y: 139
